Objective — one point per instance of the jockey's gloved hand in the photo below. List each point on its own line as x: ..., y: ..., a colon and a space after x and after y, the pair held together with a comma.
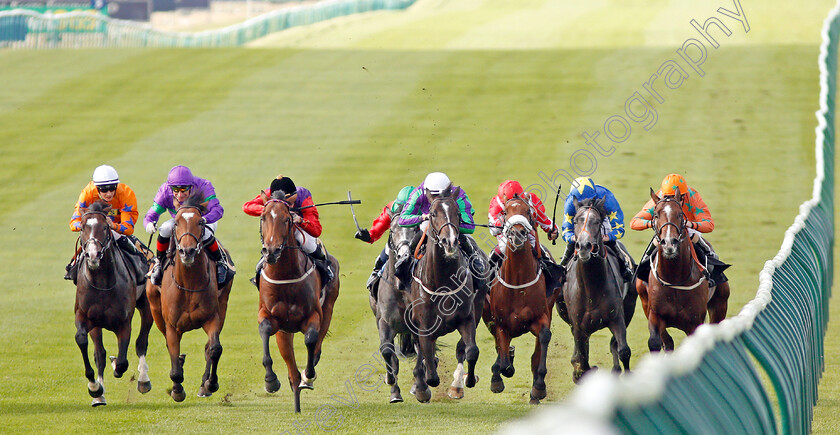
x: 363, y: 235
x: 150, y: 227
x: 554, y: 233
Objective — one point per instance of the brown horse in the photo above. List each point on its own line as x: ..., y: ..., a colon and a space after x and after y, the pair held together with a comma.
x: 106, y: 297
x: 594, y: 294
x: 677, y: 293
x: 190, y: 298
x: 517, y: 302
x: 291, y: 298
x: 443, y: 299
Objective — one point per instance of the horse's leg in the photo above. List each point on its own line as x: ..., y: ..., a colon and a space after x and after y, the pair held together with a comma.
x: 326, y: 318
x: 542, y: 331
x: 285, y: 342
x: 456, y: 390
x: 497, y: 384
x: 212, y: 353
x: 655, y: 340
x: 176, y: 372
x: 311, y: 338
x: 467, y: 330
x: 641, y: 289
x: 94, y: 388
x: 618, y: 344
x: 503, y: 348
x: 389, y: 356
x: 120, y: 364
x: 144, y: 385
x: 99, y: 359
x: 153, y: 296
x: 667, y: 341
x: 267, y: 329
x: 580, y: 356
x: 426, y: 350
x: 718, y: 304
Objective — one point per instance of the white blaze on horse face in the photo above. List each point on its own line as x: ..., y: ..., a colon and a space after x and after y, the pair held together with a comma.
x: 274, y: 214
x: 91, y: 222
x: 188, y: 216
x: 452, y: 236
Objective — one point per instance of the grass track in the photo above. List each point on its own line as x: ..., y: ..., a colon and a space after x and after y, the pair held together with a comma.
x: 239, y: 117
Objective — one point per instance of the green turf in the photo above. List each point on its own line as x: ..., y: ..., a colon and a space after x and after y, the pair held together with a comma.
x: 369, y: 121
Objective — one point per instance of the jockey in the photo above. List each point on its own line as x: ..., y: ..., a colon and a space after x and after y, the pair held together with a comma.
x: 378, y: 228
x: 613, y: 224
x: 306, y: 219
x: 106, y: 187
x: 507, y: 190
x: 180, y: 183
x: 416, y: 212
x: 697, y: 215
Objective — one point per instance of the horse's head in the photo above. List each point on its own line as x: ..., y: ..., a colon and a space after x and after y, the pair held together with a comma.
x: 518, y: 222
x: 400, y: 239
x: 96, y: 235
x: 588, y: 223
x: 669, y: 223
x: 276, y: 229
x: 189, y: 226
x: 445, y: 221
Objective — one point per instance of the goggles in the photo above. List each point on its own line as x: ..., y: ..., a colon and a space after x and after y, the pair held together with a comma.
x: 180, y: 189
x: 106, y: 188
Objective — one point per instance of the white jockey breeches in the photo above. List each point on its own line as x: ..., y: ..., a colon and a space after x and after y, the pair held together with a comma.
x: 306, y: 241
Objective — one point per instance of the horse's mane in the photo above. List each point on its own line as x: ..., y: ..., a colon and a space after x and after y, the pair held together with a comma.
x: 100, y: 206
x: 596, y: 204
x: 196, y: 199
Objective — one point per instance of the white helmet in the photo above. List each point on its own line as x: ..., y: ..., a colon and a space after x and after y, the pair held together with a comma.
x: 436, y: 182
x: 105, y: 175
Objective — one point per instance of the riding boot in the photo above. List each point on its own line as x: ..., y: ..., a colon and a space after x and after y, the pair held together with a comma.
x: 156, y: 274
x: 403, y: 269
x: 73, y: 266
x: 134, y: 257
x: 643, y: 269
x: 702, y: 255
x: 626, y: 271
x: 215, y: 254
x: 322, y: 262
x: 256, y: 279
x: 496, y: 258
x: 381, y: 259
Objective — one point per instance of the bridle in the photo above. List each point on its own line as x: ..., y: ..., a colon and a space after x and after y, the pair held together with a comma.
x: 517, y: 219
x: 109, y: 241
x: 202, y: 226
x: 585, y: 230
x: 681, y: 228
x: 435, y: 232
x: 290, y: 229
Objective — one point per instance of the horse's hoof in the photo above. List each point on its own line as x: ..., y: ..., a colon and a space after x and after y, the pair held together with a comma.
x: 113, y: 362
x: 98, y: 401
x: 390, y: 379
x: 497, y: 387
x: 470, y: 382
x: 144, y: 387
x: 533, y: 401
x: 456, y: 393
x: 433, y: 382
x: 537, y: 394
x: 178, y: 396
x: 272, y: 386
x: 423, y: 396
x: 204, y: 392
x: 396, y: 398
x: 307, y: 383
x: 413, y: 389
x: 212, y: 386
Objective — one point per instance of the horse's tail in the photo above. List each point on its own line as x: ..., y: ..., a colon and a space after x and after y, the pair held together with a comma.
x: 407, y: 344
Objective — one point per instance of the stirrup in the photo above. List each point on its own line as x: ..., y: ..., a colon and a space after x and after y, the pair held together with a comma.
x: 372, y: 279
x: 156, y: 274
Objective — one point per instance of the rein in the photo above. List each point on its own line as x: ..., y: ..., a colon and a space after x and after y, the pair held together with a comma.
x: 681, y: 236
x: 109, y: 240
x: 601, y: 252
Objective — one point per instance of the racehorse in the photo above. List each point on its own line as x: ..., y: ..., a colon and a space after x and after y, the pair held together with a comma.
x: 517, y: 302
x: 443, y: 299
x: 677, y: 293
x: 390, y: 304
x: 292, y: 297
x: 106, y: 296
x: 189, y: 298
x: 594, y: 294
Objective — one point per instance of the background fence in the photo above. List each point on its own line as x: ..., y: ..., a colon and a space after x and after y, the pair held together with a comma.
x: 710, y: 383
x: 22, y: 29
